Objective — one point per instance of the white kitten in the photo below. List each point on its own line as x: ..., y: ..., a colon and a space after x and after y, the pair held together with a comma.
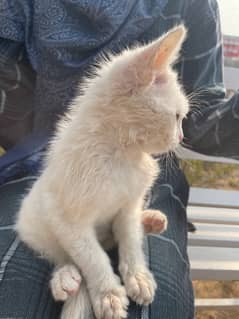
x: 98, y: 170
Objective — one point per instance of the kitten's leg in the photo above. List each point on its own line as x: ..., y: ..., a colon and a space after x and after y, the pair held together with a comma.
x: 154, y: 221
x: 139, y: 282
x: 108, y: 296
x: 65, y: 281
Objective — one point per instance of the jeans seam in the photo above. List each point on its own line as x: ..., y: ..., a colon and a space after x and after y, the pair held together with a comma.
x: 172, y: 242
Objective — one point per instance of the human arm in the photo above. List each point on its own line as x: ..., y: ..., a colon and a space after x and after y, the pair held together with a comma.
x: 212, y: 125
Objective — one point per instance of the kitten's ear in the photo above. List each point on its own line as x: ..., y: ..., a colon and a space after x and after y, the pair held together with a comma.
x: 167, y: 48
x: 149, y: 61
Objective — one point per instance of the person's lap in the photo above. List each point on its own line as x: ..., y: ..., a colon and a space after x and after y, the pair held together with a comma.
x: 24, y: 277
x: 24, y: 291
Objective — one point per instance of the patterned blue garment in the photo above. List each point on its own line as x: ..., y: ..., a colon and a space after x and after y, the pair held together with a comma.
x: 46, y: 46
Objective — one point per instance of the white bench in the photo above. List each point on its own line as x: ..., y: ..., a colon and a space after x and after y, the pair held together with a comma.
x: 214, y: 247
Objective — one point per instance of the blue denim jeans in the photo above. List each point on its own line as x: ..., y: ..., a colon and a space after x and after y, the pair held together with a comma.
x: 24, y: 277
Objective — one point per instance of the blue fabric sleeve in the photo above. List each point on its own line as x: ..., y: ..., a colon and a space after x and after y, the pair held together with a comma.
x: 212, y: 126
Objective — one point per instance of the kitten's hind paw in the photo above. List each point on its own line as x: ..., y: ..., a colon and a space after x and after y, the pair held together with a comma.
x: 154, y: 221
x: 65, y: 282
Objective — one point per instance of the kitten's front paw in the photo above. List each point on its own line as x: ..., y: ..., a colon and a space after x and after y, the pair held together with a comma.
x: 141, y: 286
x: 111, y: 304
x: 65, y: 282
x: 154, y: 221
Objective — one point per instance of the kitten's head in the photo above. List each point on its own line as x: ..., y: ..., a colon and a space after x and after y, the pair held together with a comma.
x: 140, y: 96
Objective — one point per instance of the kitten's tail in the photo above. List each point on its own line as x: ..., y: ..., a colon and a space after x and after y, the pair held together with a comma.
x: 79, y: 306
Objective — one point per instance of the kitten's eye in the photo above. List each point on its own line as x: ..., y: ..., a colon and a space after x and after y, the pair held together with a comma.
x: 177, y: 116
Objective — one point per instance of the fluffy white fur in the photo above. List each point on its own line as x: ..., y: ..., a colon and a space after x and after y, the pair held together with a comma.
x: 98, y: 170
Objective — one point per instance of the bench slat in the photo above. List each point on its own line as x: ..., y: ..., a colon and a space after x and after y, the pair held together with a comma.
x: 213, y: 198
x: 217, y: 304
x: 214, y: 263
x: 215, y: 215
x: 231, y: 75
x: 187, y: 154
x: 214, y: 235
